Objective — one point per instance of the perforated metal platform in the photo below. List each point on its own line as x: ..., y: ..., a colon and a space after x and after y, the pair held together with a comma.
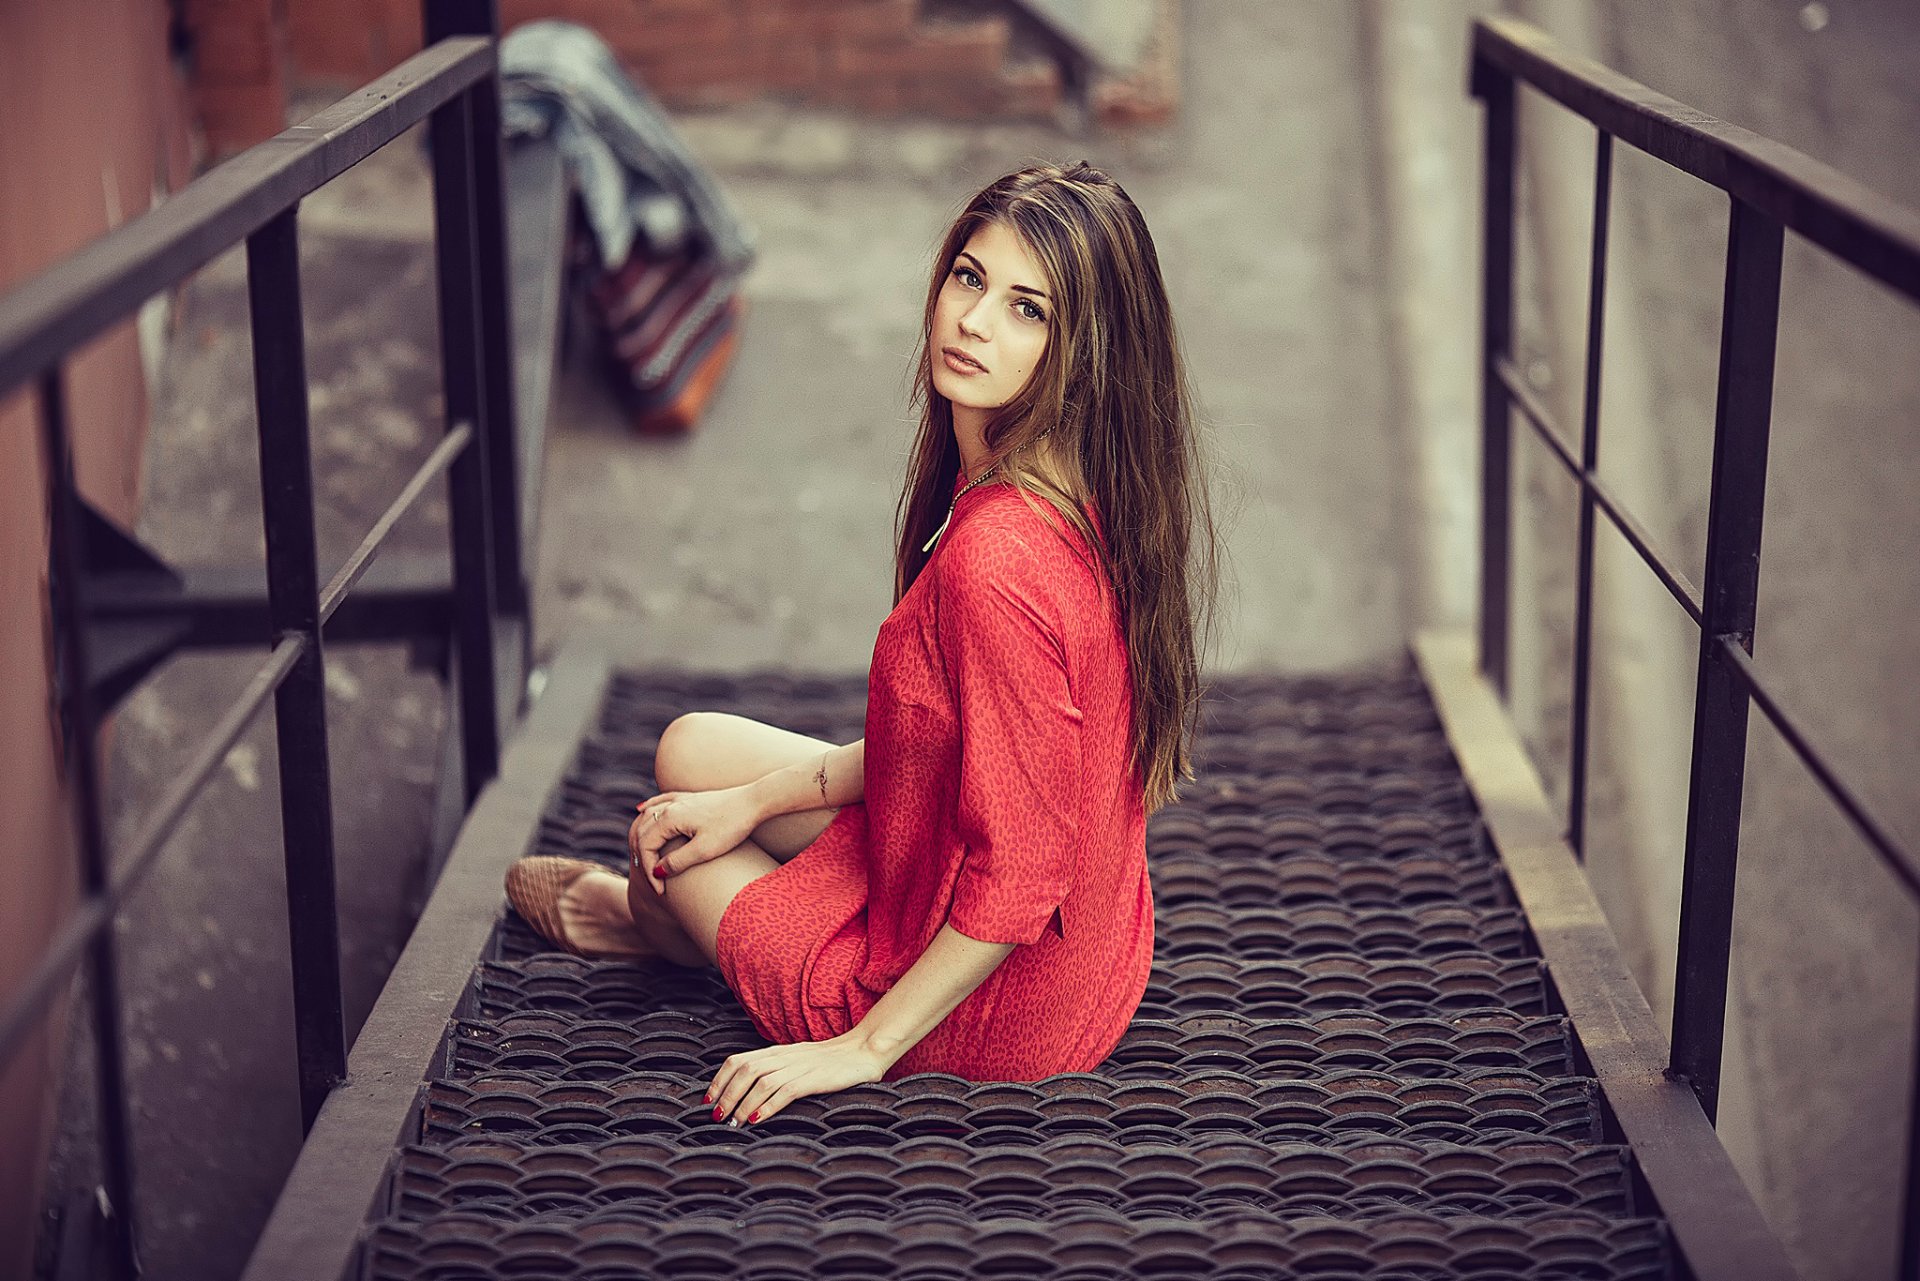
x: 1349, y: 1062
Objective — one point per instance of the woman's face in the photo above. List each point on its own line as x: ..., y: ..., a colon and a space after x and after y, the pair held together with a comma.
x: 994, y: 308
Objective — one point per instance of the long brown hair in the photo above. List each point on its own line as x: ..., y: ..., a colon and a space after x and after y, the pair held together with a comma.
x: 1112, y: 391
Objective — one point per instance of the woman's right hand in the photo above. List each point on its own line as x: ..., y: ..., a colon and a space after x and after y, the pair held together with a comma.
x: 713, y: 823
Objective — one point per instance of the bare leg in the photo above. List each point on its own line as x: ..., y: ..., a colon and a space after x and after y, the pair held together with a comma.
x: 698, y: 751
x: 701, y: 751
x: 694, y: 899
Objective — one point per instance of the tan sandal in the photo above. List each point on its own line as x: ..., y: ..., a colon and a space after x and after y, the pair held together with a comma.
x: 535, y: 885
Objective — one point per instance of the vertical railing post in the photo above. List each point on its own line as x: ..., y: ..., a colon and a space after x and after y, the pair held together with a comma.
x: 1495, y: 90
x: 1749, y: 325
x: 451, y: 134
x: 444, y: 18
x: 1589, y: 461
x: 79, y: 746
x: 300, y: 704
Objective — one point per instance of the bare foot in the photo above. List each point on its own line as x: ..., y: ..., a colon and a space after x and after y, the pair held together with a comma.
x: 595, y: 913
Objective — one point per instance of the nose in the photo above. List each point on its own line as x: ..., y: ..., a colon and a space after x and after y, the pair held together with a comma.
x: 970, y: 321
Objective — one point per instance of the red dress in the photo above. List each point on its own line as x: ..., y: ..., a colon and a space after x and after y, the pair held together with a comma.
x: 999, y: 796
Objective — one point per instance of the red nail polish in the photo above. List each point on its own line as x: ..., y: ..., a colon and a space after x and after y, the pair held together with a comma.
x: 753, y: 1118
x: 716, y: 1114
x: 706, y: 1098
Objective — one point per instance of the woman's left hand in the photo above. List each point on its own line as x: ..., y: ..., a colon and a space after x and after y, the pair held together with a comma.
x: 755, y: 1084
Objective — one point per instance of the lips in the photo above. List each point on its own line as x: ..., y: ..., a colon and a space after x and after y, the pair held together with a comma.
x: 962, y: 357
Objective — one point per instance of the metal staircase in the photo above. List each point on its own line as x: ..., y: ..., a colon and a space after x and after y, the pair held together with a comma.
x: 1349, y: 1059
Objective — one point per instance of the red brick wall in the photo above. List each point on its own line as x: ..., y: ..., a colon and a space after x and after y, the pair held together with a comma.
x: 880, y: 57
x: 94, y: 120
x: 240, y: 71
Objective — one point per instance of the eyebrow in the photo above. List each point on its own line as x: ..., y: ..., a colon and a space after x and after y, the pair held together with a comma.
x: 1019, y: 289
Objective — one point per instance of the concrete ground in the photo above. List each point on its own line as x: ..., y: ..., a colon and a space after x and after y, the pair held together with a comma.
x: 765, y: 536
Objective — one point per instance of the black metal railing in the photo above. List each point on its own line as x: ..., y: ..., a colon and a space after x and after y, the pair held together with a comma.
x: 1771, y: 190
x: 118, y: 609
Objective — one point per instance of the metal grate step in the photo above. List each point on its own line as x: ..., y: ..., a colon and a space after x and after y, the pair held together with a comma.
x: 514, y: 1178
x: 1182, y: 876
x: 954, y: 1245
x: 1273, y: 989
x: 593, y: 1048
x: 1325, y: 833
x: 1349, y: 1060
x: 1333, y: 1108
x: 1316, y: 929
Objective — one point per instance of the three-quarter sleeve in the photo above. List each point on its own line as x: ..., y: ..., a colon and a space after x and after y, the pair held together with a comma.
x: 1019, y: 792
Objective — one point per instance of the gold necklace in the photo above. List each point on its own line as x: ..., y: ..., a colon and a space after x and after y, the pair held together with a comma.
x: 928, y: 546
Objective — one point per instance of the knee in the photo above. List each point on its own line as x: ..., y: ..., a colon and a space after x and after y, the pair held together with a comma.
x: 677, y: 760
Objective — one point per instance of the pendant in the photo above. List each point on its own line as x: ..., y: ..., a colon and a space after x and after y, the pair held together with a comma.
x: 928, y: 545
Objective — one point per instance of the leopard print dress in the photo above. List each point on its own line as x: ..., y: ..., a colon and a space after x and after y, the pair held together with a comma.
x: 999, y: 797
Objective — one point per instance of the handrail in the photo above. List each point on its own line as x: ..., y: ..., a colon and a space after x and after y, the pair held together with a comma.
x: 1771, y: 189
x: 357, y: 561
x: 254, y: 199
x: 1673, y: 578
x: 97, y: 909
x: 1837, y: 212
x: 1879, y: 837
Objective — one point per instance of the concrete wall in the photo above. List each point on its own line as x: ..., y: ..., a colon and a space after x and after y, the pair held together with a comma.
x: 92, y: 126
x: 1820, y: 1029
